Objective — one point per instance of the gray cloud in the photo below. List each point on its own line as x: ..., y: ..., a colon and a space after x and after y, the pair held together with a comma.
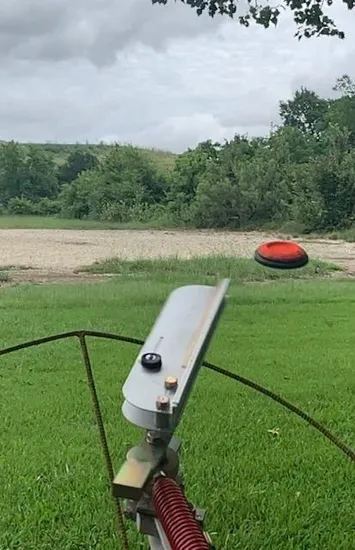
x: 26, y: 19
x: 92, y: 29
x: 127, y: 71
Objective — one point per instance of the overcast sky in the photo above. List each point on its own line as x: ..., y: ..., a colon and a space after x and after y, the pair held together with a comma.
x: 157, y: 76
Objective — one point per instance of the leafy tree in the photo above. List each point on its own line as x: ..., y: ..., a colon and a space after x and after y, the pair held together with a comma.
x: 337, y: 191
x: 308, y: 15
x: 345, y: 86
x: 215, y: 197
x: 75, y: 197
x: 41, y: 177
x: 265, y: 191
x: 341, y: 114
x: 307, y: 204
x: 130, y: 176
x: 12, y: 171
x: 336, y: 141
x: 189, y: 170
x: 31, y: 176
x: 78, y: 161
x: 126, y: 181
x: 334, y: 177
x: 245, y: 189
x: 290, y: 145
x: 216, y: 205
x: 306, y: 111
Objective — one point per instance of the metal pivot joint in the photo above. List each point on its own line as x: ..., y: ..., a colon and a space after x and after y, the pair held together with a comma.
x: 153, y: 506
x: 156, y: 393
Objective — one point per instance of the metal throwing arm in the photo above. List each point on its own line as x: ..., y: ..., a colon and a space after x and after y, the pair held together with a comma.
x: 156, y: 393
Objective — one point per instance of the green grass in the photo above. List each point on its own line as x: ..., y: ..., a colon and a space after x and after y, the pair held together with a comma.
x: 345, y: 235
x: 210, y: 266
x: 54, y: 222
x: 295, y: 230
x: 289, y: 492
x: 47, y: 222
x: 4, y: 276
x: 60, y: 151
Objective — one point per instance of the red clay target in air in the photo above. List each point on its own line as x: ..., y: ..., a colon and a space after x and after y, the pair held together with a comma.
x: 281, y: 255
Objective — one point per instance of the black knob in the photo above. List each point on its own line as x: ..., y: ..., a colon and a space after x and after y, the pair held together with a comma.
x: 151, y: 361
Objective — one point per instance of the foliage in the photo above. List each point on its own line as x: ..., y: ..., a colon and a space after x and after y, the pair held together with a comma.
x: 25, y: 207
x: 189, y: 170
x: 21, y: 206
x: 30, y: 175
x: 301, y: 175
x: 308, y: 15
x: 74, y: 198
x: 306, y: 111
x: 13, y: 177
x: 344, y: 85
x: 78, y: 161
x: 122, y: 187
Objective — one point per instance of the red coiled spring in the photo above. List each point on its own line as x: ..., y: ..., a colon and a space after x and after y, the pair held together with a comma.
x: 175, y: 515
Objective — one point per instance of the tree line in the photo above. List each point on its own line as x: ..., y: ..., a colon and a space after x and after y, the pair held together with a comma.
x: 302, y: 173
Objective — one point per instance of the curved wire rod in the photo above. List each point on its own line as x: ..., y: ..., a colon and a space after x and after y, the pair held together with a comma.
x: 245, y: 381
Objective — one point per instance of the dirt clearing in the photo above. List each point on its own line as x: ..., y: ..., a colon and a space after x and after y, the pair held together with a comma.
x: 43, y: 255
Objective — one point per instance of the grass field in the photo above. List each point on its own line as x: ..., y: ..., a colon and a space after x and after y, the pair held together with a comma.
x: 48, y: 222
x: 60, y: 151
x: 240, y: 269
x: 262, y: 491
x: 53, y: 222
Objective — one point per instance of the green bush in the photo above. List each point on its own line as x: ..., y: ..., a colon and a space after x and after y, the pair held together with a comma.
x: 21, y: 206
x: 48, y: 207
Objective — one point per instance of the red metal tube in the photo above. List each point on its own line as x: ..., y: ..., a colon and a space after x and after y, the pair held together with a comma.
x: 175, y: 515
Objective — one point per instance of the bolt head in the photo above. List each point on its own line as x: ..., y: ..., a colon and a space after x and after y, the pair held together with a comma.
x: 162, y: 402
x: 171, y: 382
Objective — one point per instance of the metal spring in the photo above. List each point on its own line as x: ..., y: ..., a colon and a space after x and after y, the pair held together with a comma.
x: 176, y: 516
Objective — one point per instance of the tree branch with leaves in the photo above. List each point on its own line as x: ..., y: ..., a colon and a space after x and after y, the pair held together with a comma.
x: 308, y: 15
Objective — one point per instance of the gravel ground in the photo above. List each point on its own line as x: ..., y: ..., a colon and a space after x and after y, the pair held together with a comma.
x: 57, y: 254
